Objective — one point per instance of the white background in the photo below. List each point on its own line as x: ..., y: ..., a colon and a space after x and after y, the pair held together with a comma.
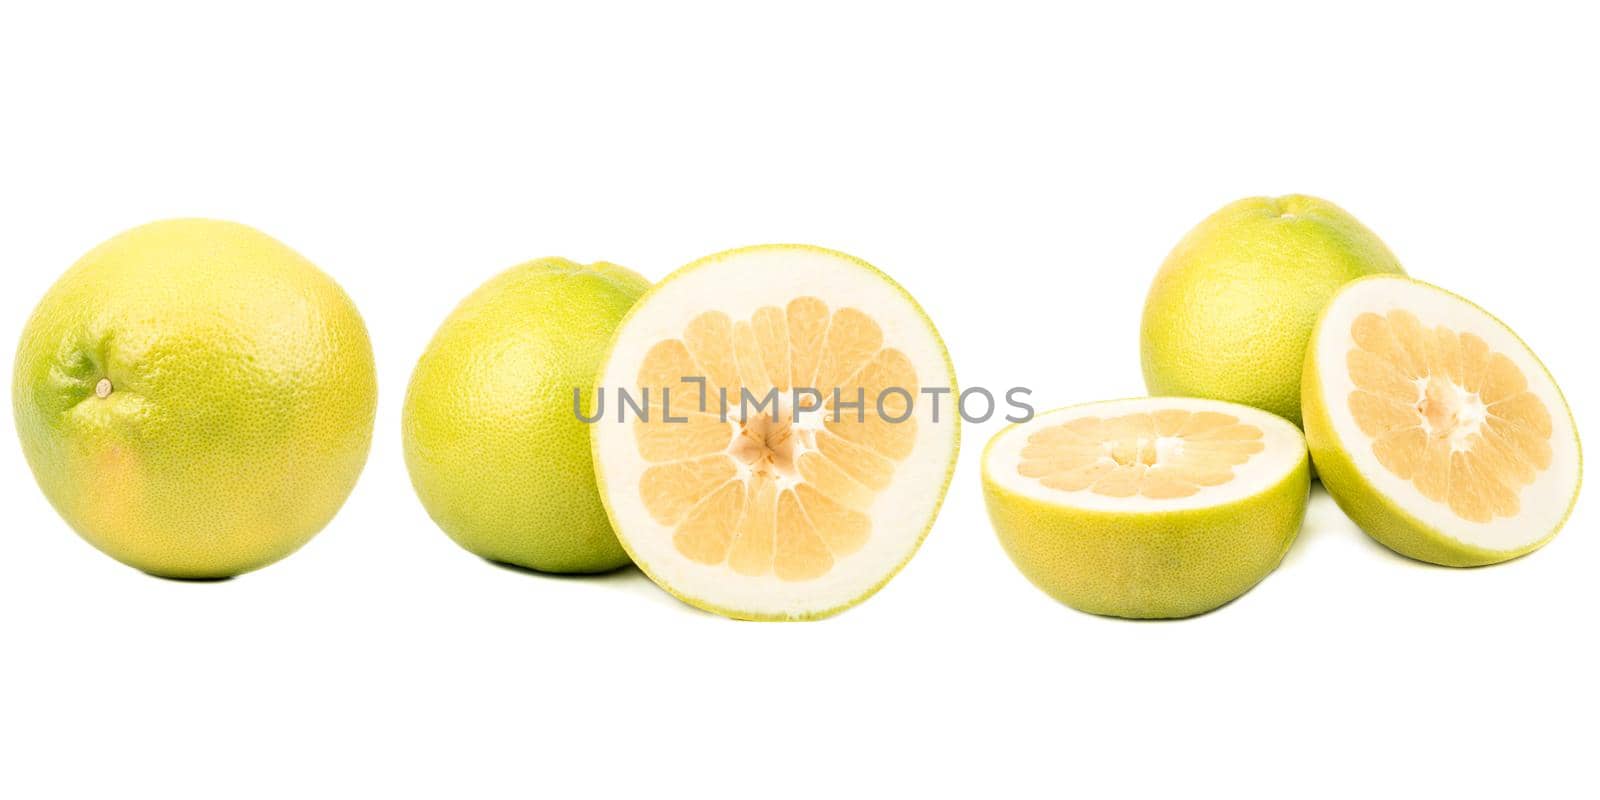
x: 1022, y: 170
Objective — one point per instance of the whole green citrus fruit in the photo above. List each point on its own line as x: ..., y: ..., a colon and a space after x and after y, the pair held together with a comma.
x: 1230, y: 313
x: 496, y: 453
x: 195, y: 398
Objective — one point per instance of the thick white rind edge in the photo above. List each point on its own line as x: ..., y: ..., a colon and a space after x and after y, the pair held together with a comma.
x: 1285, y: 449
x: 737, y: 283
x: 1544, y: 503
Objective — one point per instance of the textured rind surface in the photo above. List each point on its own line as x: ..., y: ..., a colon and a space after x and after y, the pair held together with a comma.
x: 955, y: 453
x: 494, y: 450
x: 1230, y: 312
x: 1375, y: 513
x: 1152, y: 565
x: 242, y: 402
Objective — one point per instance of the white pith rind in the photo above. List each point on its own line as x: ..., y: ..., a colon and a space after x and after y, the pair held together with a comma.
x: 738, y: 283
x: 1284, y: 448
x: 1543, y: 503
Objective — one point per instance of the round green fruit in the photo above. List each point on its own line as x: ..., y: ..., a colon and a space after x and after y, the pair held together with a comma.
x: 1230, y: 312
x: 195, y: 398
x: 496, y: 452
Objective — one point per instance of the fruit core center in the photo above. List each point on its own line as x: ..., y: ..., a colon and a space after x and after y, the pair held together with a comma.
x: 768, y: 444
x: 103, y: 389
x: 1143, y: 451
x: 1450, y: 412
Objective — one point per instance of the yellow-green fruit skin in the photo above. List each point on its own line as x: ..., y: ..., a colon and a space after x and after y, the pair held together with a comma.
x: 1230, y: 312
x: 1377, y: 515
x: 1163, y: 565
x: 495, y: 451
x: 239, y: 393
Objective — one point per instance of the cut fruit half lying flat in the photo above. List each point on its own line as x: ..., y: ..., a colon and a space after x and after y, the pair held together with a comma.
x: 1148, y: 507
x: 1434, y: 427
x: 788, y: 505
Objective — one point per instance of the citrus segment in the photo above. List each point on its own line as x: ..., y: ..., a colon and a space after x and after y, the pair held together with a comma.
x: 772, y: 339
x: 696, y: 435
x: 801, y: 555
x: 670, y: 490
x: 707, y: 533
x: 807, y: 321
x: 752, y: 549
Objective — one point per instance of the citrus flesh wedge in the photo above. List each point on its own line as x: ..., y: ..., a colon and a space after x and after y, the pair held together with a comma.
x: 1434, y: 427
x: 744, y: 493
x: 1154, y: 507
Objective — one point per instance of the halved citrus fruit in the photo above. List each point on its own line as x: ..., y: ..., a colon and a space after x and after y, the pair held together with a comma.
x: 1434, y: 427
x: 788, y: 433
x: 1150, y: 507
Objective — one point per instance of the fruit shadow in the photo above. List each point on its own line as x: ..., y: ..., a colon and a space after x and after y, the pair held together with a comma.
x: 627, y: 578
x: 1332, y: 517
x: 1324, y: 519
x: 223, y: 580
